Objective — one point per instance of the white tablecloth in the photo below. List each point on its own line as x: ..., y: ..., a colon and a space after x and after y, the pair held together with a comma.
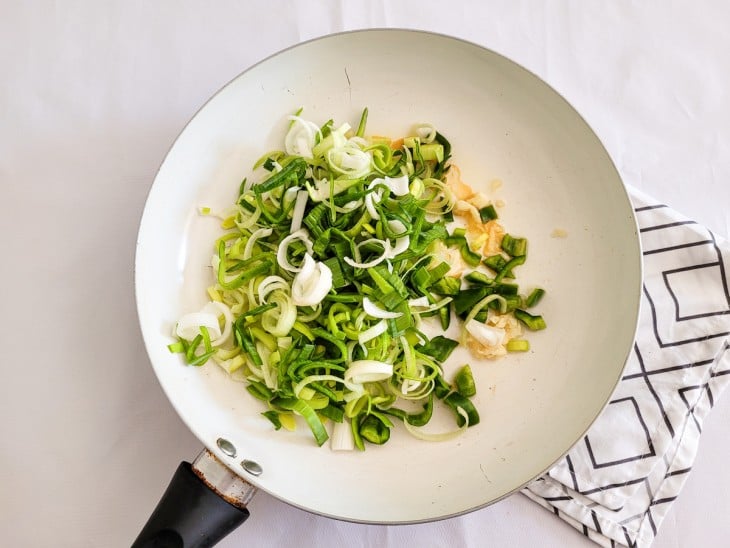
x: 93, y: 94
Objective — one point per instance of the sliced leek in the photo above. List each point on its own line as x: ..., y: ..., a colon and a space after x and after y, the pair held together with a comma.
x: 335, y: 252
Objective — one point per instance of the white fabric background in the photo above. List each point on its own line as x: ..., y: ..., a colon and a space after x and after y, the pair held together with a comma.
x: 92, y: 96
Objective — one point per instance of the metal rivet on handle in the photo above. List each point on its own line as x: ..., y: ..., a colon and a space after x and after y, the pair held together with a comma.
x: 226, y: 446
x: 252, y: 467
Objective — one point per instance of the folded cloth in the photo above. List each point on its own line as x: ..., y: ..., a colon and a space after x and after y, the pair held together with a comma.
x: 617, y: 484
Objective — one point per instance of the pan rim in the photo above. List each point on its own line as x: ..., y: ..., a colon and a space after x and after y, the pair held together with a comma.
x: 144, y: 222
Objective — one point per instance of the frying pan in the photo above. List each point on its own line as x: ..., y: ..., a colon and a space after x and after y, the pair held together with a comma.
x: 560, y: 190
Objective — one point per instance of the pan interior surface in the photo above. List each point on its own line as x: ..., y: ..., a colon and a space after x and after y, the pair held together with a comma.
x: 560, y: 190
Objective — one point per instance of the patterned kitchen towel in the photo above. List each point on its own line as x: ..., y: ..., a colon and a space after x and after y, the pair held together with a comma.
x: 617, y: 484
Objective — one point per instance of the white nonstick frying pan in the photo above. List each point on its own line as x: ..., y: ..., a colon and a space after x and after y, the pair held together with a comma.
x: 561, y: 191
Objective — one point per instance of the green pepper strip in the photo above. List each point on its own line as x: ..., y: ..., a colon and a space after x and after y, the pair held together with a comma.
x: 464, y: 382
x: 495, y: 262
x: 374, y: 430
x: 439, y: 348
x: 449, y: 287
x: 533, y: 323
x: 480, y: 278
x: 488, y: 213
x: 506, y: 271
x: 535, y: 296
x: 468, y: 298
x: 456, y: 400
x: 515, y: 247
x: 517, y: 345
x: 445, y: 316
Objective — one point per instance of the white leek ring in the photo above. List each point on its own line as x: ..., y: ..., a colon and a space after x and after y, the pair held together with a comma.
x: 280, y: 320
x: 189, y: 325
x: 357, y: 263
x: 270, y: 284
x: 375, y: 311
x: 281, y: 255
x: 257, y: 234
x: 375, y: 331
x: 312, y: 283
x: 402, y: 242
x: 362, y: 371
x: 301, y: 137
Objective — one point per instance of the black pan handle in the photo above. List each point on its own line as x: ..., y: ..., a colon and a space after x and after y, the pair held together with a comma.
x: 194, y: 512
